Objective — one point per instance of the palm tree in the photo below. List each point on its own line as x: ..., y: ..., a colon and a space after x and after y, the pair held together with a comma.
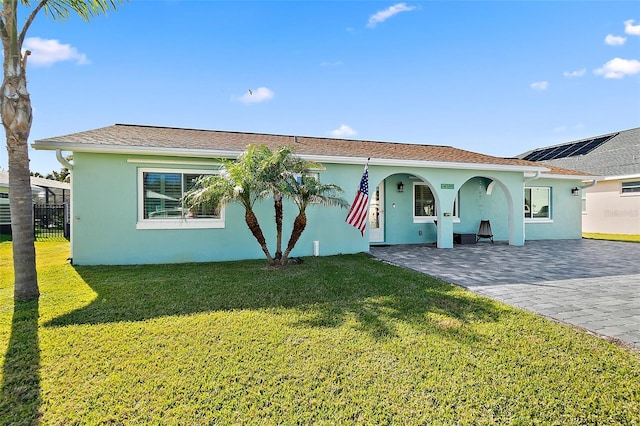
x: 15, y: 108
x: 304, y: 191
x: 260, y: 173
x: 238, y: 182
x: 277, y: 168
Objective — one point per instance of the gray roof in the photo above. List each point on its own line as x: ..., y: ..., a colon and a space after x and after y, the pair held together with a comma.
x: 618, y: 156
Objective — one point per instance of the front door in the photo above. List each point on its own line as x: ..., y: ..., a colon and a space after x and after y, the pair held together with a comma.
x: 376, y: 215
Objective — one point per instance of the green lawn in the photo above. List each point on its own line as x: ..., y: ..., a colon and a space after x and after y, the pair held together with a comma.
x: 335, y: 340
x: 612, y: 237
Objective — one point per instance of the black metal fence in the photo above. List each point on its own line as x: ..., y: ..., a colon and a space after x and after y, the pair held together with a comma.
x: 51, y: 221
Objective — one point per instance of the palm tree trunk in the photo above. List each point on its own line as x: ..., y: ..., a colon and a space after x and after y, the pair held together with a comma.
x: 252, y: 222
x: 15, y: 107
x: 299, y: 224
x: 277, y: 205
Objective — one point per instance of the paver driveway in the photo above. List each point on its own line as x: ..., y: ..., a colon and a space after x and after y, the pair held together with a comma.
x: 589, y: 283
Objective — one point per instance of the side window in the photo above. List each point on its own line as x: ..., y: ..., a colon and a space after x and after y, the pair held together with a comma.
x: 537, y: 203
x: 630, y: 187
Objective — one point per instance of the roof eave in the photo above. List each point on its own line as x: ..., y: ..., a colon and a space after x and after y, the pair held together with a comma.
x: 569, y: 177
x: 422, y: 163
x: 622, y: 177
x: 213, y: 153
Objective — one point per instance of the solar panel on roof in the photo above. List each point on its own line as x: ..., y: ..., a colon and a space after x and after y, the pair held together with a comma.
x: 573, y: 148
x: 567, y: 150
x: 533, y: 156
x: 555, y: 153
x: 592, y: 145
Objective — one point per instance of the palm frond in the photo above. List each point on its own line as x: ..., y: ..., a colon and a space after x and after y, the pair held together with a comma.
x: 85, y: 9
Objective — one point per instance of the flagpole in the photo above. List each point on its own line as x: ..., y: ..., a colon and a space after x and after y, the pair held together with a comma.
x: 358, y: 213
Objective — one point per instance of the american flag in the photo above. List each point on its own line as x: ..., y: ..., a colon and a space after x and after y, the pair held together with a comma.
x: 359, y: 210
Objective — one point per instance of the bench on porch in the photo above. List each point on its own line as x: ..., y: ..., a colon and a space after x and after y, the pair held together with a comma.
x: 464, y: 238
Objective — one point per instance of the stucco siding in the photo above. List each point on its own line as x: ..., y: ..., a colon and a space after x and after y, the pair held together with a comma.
x: 106, y: 212
x: 106, y: 229
x: 609, y: 211
x: 565, y: 221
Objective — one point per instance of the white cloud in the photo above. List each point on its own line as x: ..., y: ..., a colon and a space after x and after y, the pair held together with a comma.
x: 574, y: 74
x: 330, y: 64
x: 383, y: 15
x: 561, y: 129
x: 47, y: 52
x: 631, y: 29
x: 343, y: 131
x: 612, y: 40
x: 540, y: 85
x: 618, y: 68
x: 258, y: 95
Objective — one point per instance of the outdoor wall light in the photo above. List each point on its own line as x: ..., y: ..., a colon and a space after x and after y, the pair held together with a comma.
x: 575, y: 191
x: 400, y: 187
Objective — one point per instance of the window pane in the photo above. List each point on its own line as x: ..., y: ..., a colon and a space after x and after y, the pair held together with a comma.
x: 527, y: 202
x: 424, y: 203
x: 540, y: 202
x: 162, y: 192
x: 202, y: 211
x: 630, y: 187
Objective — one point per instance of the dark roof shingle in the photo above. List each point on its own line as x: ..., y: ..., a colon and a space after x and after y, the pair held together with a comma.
x: 149, y: 137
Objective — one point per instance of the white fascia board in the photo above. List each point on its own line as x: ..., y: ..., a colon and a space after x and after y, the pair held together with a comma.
x: 420, y: 163
x: 569, y: 177
x: 182, y: 152
x: 138, y: 150
x: 621, y: 177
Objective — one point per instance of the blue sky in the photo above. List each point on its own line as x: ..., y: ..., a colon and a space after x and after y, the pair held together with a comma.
x: 495, y: 77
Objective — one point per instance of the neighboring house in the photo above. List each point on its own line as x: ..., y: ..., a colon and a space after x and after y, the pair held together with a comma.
x: 612, y: 205
x: 128, y: 180
x: 45, y: 192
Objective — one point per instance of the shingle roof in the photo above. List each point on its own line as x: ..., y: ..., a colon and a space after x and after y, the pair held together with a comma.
x: 148, y: 138
x: 618, y: 156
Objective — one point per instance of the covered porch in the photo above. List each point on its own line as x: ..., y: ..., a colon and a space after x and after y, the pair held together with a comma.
x: 444, y: 207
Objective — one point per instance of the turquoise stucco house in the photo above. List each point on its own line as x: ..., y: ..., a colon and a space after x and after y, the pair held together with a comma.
x: 127, y: 181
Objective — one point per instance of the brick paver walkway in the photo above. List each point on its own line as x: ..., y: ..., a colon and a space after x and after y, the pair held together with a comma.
x: 589, y: 283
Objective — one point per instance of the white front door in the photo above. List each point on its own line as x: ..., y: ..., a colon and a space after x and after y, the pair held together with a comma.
x: 376, y: 215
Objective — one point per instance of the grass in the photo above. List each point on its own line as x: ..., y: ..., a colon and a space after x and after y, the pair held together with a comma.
x: 335, y: 340
x: 612, y: 237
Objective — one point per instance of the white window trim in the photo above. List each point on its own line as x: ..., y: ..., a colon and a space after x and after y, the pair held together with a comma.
x: 540, y: 219
x: 182, y: 223
x: 628, y: 194
x: 431, y: 219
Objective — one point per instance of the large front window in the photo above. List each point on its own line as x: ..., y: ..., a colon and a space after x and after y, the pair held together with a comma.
x: 537, y: 203
x: 160, y: 201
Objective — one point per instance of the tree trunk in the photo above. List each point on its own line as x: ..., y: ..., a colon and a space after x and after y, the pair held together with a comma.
x: 15, y: 107
x: 254, y: 227
x: 299, y: 224
x: 277, y: 206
